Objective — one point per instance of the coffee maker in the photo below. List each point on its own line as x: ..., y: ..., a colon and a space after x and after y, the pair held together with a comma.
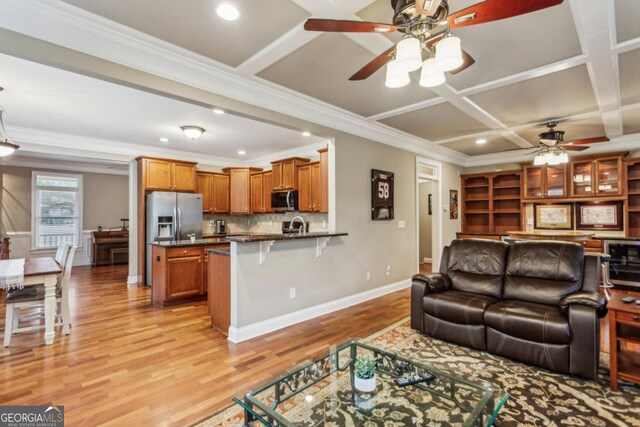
x: 220, y: 227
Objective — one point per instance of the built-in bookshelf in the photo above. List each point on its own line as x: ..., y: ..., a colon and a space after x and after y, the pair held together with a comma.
x: 491, y: 202
x: 633, y: 197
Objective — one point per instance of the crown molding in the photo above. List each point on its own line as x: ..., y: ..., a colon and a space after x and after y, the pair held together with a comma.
x: 71, y: 27
x: 306, y: 151
x: 37, y: 163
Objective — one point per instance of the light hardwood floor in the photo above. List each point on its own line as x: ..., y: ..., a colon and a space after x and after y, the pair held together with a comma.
x: 126, y: 363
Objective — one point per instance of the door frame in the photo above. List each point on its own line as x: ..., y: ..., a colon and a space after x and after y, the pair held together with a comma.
x: 437, y: 220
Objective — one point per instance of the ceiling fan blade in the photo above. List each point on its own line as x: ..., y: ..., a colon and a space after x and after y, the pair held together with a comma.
x: 588, y: 141
x: 468, y: 61
x: 373, y: 66
x: 341, y: 26
x: 494, y: 10
x: 433, y: 7
x: 431, y: 41
x: 575, y: 147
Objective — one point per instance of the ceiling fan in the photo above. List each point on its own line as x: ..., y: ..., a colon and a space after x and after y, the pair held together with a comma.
x: 553, y: 147
x: 426, y: 25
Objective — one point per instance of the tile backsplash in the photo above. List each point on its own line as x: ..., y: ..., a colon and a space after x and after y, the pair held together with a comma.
x: 263, y: 223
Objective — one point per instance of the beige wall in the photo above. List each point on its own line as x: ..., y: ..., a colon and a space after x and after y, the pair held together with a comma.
x: 105, y: 199
x: 424, y: 219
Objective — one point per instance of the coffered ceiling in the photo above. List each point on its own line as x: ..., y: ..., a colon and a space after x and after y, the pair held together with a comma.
x: 576, y: 62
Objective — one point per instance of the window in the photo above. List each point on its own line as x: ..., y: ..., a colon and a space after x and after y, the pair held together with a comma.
x: 56, y: 210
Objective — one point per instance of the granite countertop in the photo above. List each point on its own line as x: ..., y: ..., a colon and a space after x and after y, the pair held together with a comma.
x: 635, y: 239
x: 221, y: 251
x: 198, y: 242
x: 476, y: 233
x: 266, y: 237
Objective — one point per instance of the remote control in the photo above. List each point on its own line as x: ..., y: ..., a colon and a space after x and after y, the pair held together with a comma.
x: 628, y: 300
x: 418, y: 378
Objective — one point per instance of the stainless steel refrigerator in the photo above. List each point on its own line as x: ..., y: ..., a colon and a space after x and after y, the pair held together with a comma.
x: 172, y: 216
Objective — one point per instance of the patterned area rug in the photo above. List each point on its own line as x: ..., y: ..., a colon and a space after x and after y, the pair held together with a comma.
x: 537, y: 397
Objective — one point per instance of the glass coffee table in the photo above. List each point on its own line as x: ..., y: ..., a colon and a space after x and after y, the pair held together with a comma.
x: 321, y: 393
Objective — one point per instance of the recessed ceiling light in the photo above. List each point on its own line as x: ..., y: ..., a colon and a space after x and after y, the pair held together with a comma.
x: 481, y: 141
x: 242, y: 152
x: 227, y: 12
x: 218, y: 111
x: 192, y: 132
x: 163, y: 139
x: 306, y: 133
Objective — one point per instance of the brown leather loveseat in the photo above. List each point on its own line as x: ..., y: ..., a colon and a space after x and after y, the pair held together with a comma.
x: 536, y: 302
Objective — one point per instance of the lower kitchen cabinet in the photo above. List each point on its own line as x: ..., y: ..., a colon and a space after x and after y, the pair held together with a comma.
x: 179, y: 274
x: 219, y: 279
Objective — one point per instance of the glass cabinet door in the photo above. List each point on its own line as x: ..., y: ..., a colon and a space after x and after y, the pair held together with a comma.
x: 581, y: 178
x: 608, y: 177
x: 533, y: 179
x: 556, y: 181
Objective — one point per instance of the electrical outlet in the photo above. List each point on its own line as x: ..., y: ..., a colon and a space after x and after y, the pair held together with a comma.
x: 387, y: 270
x: 211, y: 223
x: 248, y: 222
x: 368, y: 275
x: 324, y: 224
x: 292, y: 293
x: 270, y: 223
x: 529, y: 221
x: 402, y: 224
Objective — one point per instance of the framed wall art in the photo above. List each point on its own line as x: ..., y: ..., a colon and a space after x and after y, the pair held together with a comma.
x: 553, y: 216
x: 599, y: 216
x: 381, y: 195
x: 453, y: 204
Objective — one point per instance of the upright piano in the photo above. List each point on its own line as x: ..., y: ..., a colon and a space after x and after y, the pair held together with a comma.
x: 105, y: 241
x: 4, y: 248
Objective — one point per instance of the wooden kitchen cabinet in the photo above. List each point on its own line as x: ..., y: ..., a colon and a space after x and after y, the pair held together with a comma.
x: 596, y: 177
x: 219, y: 282
x: 309, y: 191
x: 214, y: 188
x: 324, y: 179
x: 205, y: 187
x: 285, y: 173
x: 261, y: 187
x: 541, y: 182
x: 184, y: 273
x: 240, y: 189
x: 176, y: 275
x: 168, y: 175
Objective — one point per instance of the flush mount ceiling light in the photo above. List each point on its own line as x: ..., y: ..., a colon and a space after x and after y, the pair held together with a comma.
x: 427, y: 26
x: 306, y: 133
x: 227, y: 12
x: 242, y: 152
x: 192, y: 132
x: 218, y: 111
x: 7, y: 146
x: 163, y: 139
x: 481, y: 141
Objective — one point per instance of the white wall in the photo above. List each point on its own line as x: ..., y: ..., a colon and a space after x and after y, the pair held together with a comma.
x: 425, y: 220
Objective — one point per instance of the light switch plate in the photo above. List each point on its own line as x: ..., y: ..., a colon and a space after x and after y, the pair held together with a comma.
x: 529, y: 221
x: 402, y: 224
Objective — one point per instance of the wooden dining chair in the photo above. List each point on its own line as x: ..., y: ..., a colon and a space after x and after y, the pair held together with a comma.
x: 62, y: 253
x: 33, y: 297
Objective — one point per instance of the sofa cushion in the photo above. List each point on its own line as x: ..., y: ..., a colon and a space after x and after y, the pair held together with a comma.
x: 458, y: 307
x: 530, y: 321
x: 478, y: 266
x: 543, y: 272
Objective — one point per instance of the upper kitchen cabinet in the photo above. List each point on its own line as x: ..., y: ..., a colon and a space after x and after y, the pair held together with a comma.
x: 214, y: 188
x: 310, y: 190
x: 261, y: 187
x: 168, y: 175
x: 597, y: 177
x: 285, y: 173
x: 240, y: 189
x: 542, y: 182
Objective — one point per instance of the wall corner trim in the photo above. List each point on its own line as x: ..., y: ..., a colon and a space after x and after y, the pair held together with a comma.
x: 254, y: 330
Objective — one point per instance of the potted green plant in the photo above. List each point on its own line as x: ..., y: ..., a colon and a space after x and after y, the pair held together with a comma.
x: 192, y: 237
x: 365, y: 373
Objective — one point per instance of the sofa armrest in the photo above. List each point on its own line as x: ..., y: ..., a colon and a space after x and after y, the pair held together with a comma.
x: 588, y: 299
x: 422, y: 285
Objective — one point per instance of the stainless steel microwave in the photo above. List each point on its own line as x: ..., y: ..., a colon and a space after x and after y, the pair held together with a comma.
x: 284, y: 201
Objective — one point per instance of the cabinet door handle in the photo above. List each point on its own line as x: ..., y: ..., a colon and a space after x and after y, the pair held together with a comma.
x: 635, y: 318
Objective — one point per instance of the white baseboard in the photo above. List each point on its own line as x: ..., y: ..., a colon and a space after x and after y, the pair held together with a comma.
x: 245, y: 333
x: 132, y: 280
x: 426, y: 260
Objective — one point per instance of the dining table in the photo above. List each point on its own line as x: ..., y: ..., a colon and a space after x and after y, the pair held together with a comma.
x: 43, y: 271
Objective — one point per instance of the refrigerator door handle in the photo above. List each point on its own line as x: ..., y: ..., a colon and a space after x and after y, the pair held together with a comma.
x: 175, y: 224
x: 179, y: 224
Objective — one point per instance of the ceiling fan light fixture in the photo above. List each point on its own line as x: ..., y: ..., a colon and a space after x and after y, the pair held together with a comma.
x: 396, y: 76
x: 564, y: 157
x: 539, y: 160
x: 409, y: 54
x: 7, y: 147
x: 192, y: 132
x: 449, y: 54
x: 431, y: 75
